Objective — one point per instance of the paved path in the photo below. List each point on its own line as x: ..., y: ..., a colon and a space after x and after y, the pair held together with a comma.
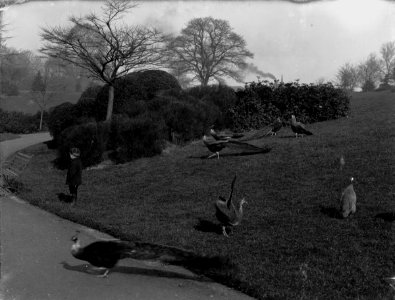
x: 37, y: 264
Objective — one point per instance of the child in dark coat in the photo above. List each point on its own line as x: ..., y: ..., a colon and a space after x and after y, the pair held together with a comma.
x: 73, y: 179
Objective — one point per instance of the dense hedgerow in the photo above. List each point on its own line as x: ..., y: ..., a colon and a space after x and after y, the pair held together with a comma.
x: 91, y: 138
x: 18, y: 122
x: 135, y: 138
x: 262, y: 102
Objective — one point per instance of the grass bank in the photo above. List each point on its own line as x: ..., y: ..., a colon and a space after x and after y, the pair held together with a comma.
x: 289, y: 245
x: 8, y: 136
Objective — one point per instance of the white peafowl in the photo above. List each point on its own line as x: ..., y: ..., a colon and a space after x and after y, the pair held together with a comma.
x: 216, y: 146
x: 276, y: 126
x: 348, y: 201
x: 226, y: 212
x: 299, y: 128
x: 102, y: 254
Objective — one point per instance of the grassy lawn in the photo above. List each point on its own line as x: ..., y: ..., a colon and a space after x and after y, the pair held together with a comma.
x: 289, y: 244
x: 8, y: 136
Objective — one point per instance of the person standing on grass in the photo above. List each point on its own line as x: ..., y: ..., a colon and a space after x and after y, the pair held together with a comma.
x: 74, y: 174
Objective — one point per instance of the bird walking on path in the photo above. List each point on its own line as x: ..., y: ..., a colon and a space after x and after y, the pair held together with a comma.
x: 299, y: 128
x: 103, y: 255
x: 348, y: 200
x: 216, y: 146
x: 226, y: 212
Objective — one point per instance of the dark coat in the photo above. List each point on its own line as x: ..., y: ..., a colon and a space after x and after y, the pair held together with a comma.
x: 74, y: 172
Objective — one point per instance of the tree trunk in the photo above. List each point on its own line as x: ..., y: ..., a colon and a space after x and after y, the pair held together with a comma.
x: 110, y: 102
x: 41, y: 120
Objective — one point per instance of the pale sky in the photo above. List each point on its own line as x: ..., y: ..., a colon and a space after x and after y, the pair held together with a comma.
x: 299, y: 41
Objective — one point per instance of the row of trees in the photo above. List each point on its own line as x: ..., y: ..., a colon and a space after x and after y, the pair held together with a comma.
x: 206, y: 50
x: 373, y: 71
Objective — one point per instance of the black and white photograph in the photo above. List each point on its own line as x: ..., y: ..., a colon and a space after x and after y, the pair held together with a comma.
x: 197, y: 149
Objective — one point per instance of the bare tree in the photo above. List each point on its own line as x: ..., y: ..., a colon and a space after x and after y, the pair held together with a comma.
x: 104, y: 47
x: 208, y: 48
x: 347, y: 77
x: 369, y: 72
x: 45, y: 85
x: 387, y: 60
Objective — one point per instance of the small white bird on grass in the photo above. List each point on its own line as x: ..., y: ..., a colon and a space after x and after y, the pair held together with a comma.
x: 348, y: 201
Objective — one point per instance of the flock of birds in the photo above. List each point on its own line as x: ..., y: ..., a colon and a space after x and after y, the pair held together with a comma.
x: 104, y: 255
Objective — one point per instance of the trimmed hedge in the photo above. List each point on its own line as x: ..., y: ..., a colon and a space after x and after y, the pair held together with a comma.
x: 260, y: 103
x: 137, y: 86
x: 91, y: 138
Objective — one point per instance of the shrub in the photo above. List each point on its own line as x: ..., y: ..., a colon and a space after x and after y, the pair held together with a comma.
x: 136, y: 138
x: 91, y: 138
x: 60, y: 117
x: 260, y: 103
x: 86, y: 105
x: 222, y: 96
x: 137, y: 86
x: 18, y: 122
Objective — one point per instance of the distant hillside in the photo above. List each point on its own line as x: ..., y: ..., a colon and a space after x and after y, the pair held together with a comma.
x: 25, y: 104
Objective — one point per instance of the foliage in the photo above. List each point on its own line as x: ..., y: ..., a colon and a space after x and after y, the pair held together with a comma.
x: 137, y: 86
x: 91, y: 138
x: 135, y: 138
x: 260, y: 103
x: 17, y: 122
x: 61, y: 117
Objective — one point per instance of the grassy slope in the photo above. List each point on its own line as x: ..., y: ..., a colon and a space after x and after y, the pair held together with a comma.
x: 289, y: 244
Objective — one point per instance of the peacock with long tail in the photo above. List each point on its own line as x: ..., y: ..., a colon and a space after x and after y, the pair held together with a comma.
x: 104, y: 255
x: 216, y: 146
x: 226, y: 212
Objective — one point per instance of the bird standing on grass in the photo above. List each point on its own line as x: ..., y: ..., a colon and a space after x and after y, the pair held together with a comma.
x: 348, y: 201
x: 298, y: 127
x: 103, y: 255
x: 226, y: 212
x: 276, y: 126
x: 216, y: 146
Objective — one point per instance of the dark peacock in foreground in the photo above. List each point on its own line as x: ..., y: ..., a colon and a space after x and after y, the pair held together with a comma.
x: 104, y: 255
x: 275, y: 127
x: 226, y: 212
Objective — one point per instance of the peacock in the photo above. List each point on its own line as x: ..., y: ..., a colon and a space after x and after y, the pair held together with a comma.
x: 299, y: 128
x: 276, y: 126
x: 217, y: 145
x: 106, y: 254
x: 226, y: 212
x: 102, y: 254
x: 348, y: 201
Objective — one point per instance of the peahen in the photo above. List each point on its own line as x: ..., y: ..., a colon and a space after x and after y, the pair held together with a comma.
x: 226, y: 212
x: 298, y: 127
x: 348, y: 201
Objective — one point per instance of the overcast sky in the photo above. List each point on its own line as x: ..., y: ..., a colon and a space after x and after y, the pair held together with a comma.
x: 299, y: 41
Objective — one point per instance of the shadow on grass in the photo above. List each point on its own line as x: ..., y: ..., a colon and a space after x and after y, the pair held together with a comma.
x: 208, y: 226
x: 331, y: 212
x: 132, y: 270
x: 387, y: 217
x: 232, y: 154
x: 64, y: 198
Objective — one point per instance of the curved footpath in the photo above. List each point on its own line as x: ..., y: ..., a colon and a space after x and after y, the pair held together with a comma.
x: 36, y: 262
